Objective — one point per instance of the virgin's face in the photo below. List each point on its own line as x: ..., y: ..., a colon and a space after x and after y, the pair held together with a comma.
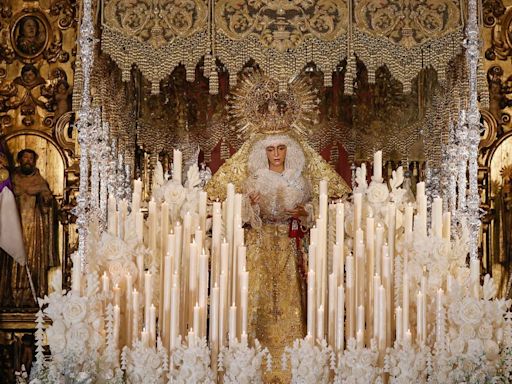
x: 276, y: 155
x: 29, y: 29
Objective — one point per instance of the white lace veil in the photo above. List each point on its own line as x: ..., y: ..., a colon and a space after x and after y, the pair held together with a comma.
x: 295, y: 158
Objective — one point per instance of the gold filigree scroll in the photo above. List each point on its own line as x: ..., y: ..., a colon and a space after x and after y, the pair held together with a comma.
x: 157, y: 22
x: 408, y: 22
x: 282, y: 24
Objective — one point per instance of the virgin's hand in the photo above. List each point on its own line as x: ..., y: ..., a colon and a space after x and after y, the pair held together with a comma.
x: 254, y: 197
x: 299, y: 210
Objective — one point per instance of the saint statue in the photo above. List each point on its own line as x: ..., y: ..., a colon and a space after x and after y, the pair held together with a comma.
x: 278, y: 173
x: 37, y: 209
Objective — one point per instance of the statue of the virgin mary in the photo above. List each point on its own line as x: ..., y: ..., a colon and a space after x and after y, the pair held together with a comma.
x: 279, y: 173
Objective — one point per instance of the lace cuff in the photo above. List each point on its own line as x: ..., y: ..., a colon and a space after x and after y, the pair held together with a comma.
x: 310, y: 219
x: 251, y: 213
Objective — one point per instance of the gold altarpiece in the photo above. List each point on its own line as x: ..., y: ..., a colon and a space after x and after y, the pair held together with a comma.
x: 37, y: 61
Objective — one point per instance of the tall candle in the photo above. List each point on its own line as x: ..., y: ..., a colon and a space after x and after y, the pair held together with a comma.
x: 320, y: 323
x: 203, y: 197
x: 173, y: 333
x: 196, y: 319
x: 382, y: 318
x: 76, y: 279
x: 340, y: 319
x: 117, y: 295
x: 398, y: 319
x: 377, y: 167
x: 358, y: 209
x: 419, y: 317
x: 145, y: 337
x: 351, y: 305
x: 135, y: 328
x: 437, y: 217
x: 446, y: 225
x: 232, y: 323
x: 117, y: 323
x: 148, y: 297
x: 311, y: 303
x: 152, y: 325
x: 105, y: 283
x: 177, y: 160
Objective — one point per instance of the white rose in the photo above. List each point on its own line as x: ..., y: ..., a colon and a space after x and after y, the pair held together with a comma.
x: 471, y: 311
x: 457, y: 346
x: 475, y: 347
x: 467, y: 331
x: 485, y: 330
x: 491, y: 349
x: 175, y: 194
x: 75, y: 310
x: 377, y: 193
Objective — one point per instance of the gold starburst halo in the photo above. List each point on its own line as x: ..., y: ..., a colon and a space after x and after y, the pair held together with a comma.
x: 506, y: 172
x: 257, y: 106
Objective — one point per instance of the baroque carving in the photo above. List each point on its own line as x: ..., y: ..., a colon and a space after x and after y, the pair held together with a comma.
x: 157, y: 22
x: 282, y: 24
x: 31, y: 33
x: 408, y: 22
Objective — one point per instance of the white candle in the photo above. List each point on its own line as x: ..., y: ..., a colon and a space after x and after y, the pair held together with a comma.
x: 446, y: 225
x: 176, y: 171
x: 123, y: 212
x: 152, y: 325
x: 376, y: 308
x: 323, y: 187
x: 474, y: 267
x: 232, y: 323
x: 148, y: 297
x: 76, y: 279
x: 203, y: 198
x: 311, y: 303
x: 223, y: 296
x: 360, y: 339
x: 117, y: 295
x: 358, y: 210
x: 139, y: 226
x: 439, y: 318
x: 409, y: 213
x: 419, y: 317
x: 437, y: 217
x: 173, y: 333
x: 244, y: 297
x: 398, y: 319
x: 351, y: 297
x: 197, y: 319
x: 164, y: 227
x: 135, y: 328
x: 320, y: 323
x: 117, y: 322
x: 379, y: 241
x: 405, y: 297
x: 145, y: 337
x: 382, y: 318
x: 340, y: 223
x: 377, y: 167
x: 105, y: 283
x: 408, y: 338
x: 340, y: 319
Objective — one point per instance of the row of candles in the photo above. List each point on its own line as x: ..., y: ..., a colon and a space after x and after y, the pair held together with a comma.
x: 199, y: 280
x: 204, y: 289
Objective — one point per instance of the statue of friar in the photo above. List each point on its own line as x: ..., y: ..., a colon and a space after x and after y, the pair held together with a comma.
x: 38, y: 214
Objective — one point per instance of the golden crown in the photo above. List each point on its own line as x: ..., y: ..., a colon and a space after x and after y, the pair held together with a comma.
x: 256, y: 105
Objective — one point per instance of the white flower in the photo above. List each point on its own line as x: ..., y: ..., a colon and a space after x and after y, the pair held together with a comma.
x: 457, y: 346
x: 471, y: 312
x: 77, y: 336
x: 485, y: 330
x: 377, y: 193
x: 467, y: 332
x: 475, y: 347
x: 175, y: 193
x: 56, y: 336
x: 75, y: 310
x: 491, y: 350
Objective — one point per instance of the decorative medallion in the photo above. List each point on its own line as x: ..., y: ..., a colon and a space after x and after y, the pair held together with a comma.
x: 31, y: 34
x: 408, y: 22
x: 157, y: 22
x: 282, y: 24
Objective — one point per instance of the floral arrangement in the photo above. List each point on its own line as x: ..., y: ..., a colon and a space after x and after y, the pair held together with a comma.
x: 242, y: 364
x: 309, y: 362
x: 190, y: 363
x: 358, y: 365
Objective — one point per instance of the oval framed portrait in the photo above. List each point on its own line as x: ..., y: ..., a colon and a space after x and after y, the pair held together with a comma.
x: 30, y: 34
